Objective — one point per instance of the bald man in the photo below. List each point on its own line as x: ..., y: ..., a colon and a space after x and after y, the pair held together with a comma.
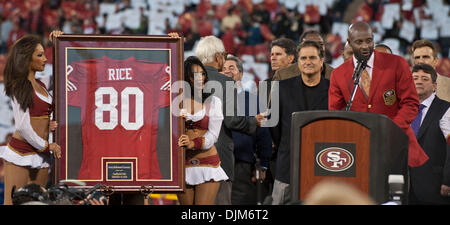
x: 386, y: 87
x: 383, y: 48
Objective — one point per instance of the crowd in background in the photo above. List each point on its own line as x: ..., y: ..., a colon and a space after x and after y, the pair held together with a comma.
x: 246, y: 27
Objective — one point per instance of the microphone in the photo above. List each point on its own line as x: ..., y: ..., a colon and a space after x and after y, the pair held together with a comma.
x: 396, y: 183
x: 360, y: 66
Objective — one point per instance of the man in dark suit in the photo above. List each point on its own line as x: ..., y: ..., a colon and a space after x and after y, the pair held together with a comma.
x: 430, y: 183
x: 386, y: 87
x: 211, y: 52
x: 283, y: 52
x: 248, y: 148
x: 308, y: 91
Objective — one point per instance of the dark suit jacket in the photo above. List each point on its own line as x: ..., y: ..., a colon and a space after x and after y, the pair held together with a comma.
x: 426, y: 180
x: 225, y: 144
x: 291, y: 100
x: 245, y: 146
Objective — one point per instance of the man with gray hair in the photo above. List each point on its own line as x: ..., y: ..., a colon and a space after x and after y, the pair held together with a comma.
x: 211, y: 51
x: 233, y: 68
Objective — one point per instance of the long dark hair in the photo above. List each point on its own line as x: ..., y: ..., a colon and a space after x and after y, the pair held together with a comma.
x: 17, y: 68
x: 188, y: 74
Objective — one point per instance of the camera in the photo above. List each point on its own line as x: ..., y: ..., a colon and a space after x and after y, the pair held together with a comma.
x: 29, y: 193
x: 59, y: 194
x: 95, y: 195
x: 62, y: 194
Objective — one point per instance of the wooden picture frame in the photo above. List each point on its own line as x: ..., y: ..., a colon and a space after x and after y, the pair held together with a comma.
x: 114, y: 112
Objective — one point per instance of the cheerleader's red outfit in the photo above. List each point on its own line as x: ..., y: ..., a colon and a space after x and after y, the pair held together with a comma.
x: 33, y: 151
x: 209, y: 119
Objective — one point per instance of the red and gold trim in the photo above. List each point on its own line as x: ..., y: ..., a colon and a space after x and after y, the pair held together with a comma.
x: 21, y: 147
x: 40, y: 117
x: 210, y: 161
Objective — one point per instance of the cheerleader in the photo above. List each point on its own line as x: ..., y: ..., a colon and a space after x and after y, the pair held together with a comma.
x: 203, y: 120
x: 27, y: 155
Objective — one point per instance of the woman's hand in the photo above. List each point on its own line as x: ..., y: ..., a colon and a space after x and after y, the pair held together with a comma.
x: 53, y: 125
x: 260, y: 118
x: 173, y: 34
x: 56, y: 149
x: 54, y: 34
x: 184, y: 141
x: 176, y: 35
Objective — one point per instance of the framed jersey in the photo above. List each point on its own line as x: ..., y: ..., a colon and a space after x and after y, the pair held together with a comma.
x: 114, y: 112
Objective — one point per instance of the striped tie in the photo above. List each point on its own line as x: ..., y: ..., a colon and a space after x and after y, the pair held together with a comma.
x: 365, y: 82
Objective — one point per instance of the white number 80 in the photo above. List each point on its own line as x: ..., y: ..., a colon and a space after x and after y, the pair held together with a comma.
x: 124, y: 109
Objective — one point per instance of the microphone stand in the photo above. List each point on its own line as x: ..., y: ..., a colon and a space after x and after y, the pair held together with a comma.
x: 362, y: 62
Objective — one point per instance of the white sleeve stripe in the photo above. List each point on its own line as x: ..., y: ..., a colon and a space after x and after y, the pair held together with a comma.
x: 165, y: 86
x: 71, y: 86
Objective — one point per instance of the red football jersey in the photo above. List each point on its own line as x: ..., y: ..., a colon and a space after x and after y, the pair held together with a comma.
x: 119, y: 101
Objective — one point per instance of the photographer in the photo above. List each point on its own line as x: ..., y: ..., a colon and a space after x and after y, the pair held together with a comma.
x: 33, y: 194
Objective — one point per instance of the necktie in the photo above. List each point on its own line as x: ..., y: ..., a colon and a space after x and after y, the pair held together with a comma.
x: 417, y: 121
x: 365, y: 82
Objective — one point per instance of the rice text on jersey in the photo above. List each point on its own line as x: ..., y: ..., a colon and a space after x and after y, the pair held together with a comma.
x: 120, y: 74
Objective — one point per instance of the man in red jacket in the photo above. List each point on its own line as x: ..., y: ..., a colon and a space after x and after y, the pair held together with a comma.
x: 386, y: 87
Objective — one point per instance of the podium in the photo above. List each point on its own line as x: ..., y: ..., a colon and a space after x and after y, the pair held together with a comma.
x: 357, y: 147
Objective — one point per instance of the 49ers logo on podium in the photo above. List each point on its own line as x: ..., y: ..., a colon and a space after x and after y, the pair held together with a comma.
x: 335, y: 159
